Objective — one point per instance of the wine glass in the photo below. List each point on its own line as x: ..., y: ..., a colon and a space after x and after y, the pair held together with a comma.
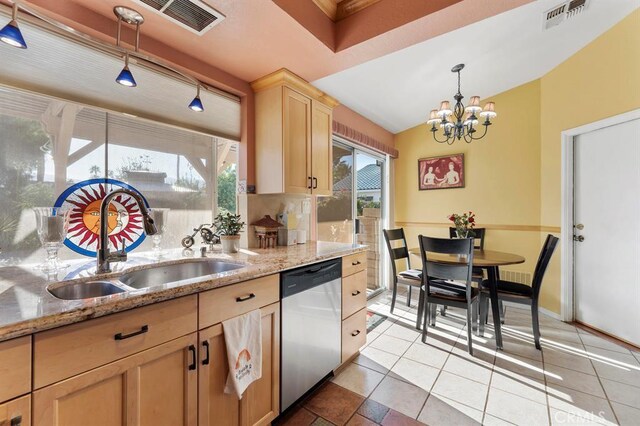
x: 52, y: 224
x: 159, y: 217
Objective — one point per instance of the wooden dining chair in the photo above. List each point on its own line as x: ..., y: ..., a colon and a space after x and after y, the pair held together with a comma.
x: 409, y: 277
x: 521, y: 293
x: 444, y: 283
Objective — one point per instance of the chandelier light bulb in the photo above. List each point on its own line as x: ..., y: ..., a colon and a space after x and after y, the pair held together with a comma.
x: 489, y: 110
x: 445, y: 109
x: 474, y: 105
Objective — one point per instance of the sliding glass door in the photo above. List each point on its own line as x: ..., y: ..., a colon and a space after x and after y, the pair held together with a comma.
x: 354, y: 214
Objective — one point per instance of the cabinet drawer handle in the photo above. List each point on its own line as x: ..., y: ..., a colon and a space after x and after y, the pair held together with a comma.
x: 142, y: 330
x: 355, y: 333
x: 355, y: 293
x: 310, y: 180
x: 16, y: 421
x: 356, y: 263
x: 245, y: 298
x: 315, y: 183
x: 205, y: 361
x: 192, y: 349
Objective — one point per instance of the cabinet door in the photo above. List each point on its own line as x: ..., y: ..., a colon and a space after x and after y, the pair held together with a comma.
x: 321, y: 148
x: 156, y: 386
x: 297, y: 142
x: 16, y: 412
x: 261, y: 400
x: 214, y: 406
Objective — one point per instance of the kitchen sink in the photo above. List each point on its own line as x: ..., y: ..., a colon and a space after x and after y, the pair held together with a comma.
x: 85, y: 290
x: 167, y: 274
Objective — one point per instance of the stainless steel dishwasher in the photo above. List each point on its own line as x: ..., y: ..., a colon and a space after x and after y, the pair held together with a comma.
x: 311, y: 327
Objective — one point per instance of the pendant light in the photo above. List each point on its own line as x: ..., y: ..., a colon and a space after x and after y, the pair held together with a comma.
x: 131, y: 17
x: 11, y: 34
x: 196, y: 103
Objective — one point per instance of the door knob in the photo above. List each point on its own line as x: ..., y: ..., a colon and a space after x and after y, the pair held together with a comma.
x: 578, y: 238
x: 579, y: 227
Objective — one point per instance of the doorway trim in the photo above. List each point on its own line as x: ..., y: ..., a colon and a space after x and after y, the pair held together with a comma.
x: 567, y: 311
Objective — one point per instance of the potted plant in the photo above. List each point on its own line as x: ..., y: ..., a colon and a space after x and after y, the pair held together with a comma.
x: 464, y: 224
x: 228, y: 227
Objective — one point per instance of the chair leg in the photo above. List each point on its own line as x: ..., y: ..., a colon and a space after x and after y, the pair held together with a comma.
x: 469, y: 333
x: 427, y: 313
x: 420, y: 308
x: 536, y: 325
x: 474, y: 314
x: 443, y: 310
x: 409, y: 296
x: 393, y: 295
x: 483, y: 310
x: 434, y: 310
x: 502, y: 312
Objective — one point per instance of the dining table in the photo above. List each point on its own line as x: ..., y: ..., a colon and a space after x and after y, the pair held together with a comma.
x: 490, y: 260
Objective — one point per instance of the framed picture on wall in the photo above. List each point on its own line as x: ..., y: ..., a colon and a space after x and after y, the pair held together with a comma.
x: 441, y: 172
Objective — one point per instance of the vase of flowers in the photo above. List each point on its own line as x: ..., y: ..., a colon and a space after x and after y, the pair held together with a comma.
x: 464, y: 224
x: 229, y: 226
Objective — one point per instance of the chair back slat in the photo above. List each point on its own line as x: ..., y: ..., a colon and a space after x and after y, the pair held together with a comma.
x: 478, y: 235
x: 446, y: 245
x: 447, y: 272
x: 543, y: 262
x: 397, y: 253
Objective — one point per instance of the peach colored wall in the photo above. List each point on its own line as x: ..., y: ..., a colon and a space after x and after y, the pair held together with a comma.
x: 352, y: 119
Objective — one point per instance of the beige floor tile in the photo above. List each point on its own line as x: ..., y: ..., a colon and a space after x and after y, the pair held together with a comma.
x: 473, y: 369
x: 400, y: 396
x: 390, y: 344
x: 358, y: 379
x: 427, y: 354
x: 403, y: 329
x: 574, y: 360
x: 490, y: 420
x: 583, y: 405
x: 607, y: 355
x: 627, y: 416
x: 622, y: 393
x: 599, y: 342
x: 619, y: 372
x: 459, y: 389
x: 371, y: 336
x: 574, y: 380
x: 440, y: 411
x: 519, y: 365
x: 562, y: 418
x: 522, y: 348
x: 376, y: 359
x: 516, y: 409
x: 523, y: 386
x: 421, y: 375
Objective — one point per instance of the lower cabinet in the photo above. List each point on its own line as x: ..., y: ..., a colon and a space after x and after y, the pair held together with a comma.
x: 16, y: 412
x: 155, y: 387
x: 260, y: 403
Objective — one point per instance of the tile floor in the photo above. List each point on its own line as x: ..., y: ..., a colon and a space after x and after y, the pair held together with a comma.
x: 578, y: 378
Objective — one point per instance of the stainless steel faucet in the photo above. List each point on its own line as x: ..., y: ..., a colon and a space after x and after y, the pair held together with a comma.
x: 104, y: 257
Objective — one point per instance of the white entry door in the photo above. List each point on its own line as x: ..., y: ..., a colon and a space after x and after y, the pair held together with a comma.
x: 607, y: 218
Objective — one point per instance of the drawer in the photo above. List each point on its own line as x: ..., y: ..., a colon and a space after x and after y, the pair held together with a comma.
x: 15, y: 368
x: 17, y: 412
x: 354, y: 293
x: 73, y: 349
x: 354, y: 334
x: 354, y: 263
x: 227, y: 302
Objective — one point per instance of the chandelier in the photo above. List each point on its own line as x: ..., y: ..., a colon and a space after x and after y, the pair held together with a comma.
x: 460, y: 123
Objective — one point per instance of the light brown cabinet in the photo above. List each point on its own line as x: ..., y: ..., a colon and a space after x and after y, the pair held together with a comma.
x: 156, y: 386
x: 16, y: 412
x: 354, y: 304
x: 15, y: 368
x: 260, y: 402
x: 293, y: 136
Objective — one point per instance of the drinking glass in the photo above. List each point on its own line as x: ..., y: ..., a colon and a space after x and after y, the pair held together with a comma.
x: 159, y: 217
x: 52, y: 224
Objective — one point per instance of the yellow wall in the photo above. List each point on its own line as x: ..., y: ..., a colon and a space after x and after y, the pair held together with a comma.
x: 600, y: 81
x: 513, y: 174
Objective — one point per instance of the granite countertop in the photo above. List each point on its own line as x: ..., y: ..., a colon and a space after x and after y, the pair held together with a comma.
x: 27, y: 307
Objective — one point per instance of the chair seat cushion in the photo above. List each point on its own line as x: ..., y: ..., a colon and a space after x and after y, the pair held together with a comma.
x: 510, y: 287
x: 450, y: 290
x: 412, y: 274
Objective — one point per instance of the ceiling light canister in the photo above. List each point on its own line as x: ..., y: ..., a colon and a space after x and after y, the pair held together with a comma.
x: 196, y: 104
x: 11, y: 34
x: 126, y: 77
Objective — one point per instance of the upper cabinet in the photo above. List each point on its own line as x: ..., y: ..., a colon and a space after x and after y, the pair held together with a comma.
x: 293, y: 136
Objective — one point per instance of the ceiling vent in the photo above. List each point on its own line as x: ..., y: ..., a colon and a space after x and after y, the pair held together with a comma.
x: 564, y: 11
x: 194, y: 15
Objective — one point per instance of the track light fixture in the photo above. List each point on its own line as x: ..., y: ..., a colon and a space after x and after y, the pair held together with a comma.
x: 11, y: 34
x: 196, y: 103
x: 131, y: 17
